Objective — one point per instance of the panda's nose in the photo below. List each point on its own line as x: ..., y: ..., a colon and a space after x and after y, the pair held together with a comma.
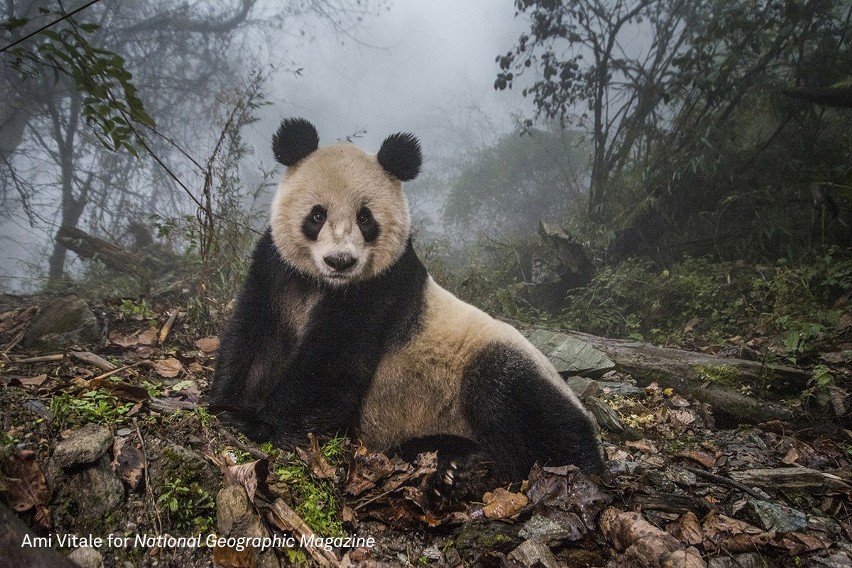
x: 340, y: 261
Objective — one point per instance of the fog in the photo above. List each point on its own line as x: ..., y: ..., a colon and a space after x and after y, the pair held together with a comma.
x: 420, y: 67
x: 423, y: 67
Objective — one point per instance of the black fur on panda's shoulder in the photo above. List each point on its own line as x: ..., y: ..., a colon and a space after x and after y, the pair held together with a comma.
x: 295, y: 140
x: 400, y: 156
x: 310, y: 380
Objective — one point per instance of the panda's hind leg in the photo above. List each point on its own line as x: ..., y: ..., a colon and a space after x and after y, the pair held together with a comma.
x: 464, y: 469
x: 522, y: 417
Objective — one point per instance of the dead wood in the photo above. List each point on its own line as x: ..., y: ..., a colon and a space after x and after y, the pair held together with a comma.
x: 93, y: 248
x: 790, y: 478
x: 705, y: 377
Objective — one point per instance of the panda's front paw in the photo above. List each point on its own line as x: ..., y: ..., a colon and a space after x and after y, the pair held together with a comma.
x: 459, y: 479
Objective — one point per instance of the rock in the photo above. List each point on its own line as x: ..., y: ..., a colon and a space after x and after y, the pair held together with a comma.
x: 570, y: 356
x: 583, y: 387
x: 533, y: 553
x: 778, y: 517
x: 476, y: 539
x: 85, y: 446
x: 747, y: 560
x: 545, y: 530
x: 433, y: 553
x: 61, y: 322
x: 606, y: 417
x: 86, y: 557
x: 85, y: 495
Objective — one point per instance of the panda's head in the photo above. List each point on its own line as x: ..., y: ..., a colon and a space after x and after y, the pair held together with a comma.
x: 339, y: 214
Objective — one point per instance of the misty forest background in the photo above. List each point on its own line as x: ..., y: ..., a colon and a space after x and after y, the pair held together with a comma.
x: 691, y: 159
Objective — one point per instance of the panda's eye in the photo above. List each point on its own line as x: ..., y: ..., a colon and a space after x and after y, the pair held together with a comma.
x: 318, y: 215
x: 313, y: 222
x: 367, y: 224
x: 364, y: 216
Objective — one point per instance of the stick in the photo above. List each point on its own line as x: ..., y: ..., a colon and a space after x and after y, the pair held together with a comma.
x: 167, y: 327
x: 721, y: 480
x: 39, y: 359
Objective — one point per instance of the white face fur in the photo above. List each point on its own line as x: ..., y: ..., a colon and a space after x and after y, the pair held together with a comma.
x: 339, y: 216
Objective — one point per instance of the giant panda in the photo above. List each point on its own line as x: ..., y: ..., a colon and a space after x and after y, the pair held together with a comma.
x: 340, y: 329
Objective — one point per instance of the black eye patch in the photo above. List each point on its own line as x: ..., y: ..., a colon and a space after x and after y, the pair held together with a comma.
x: 313, y: 222
x: 367, y: 224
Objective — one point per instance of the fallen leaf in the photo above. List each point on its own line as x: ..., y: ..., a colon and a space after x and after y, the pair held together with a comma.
x: 167, y: 368
x: 368, y: 468
x: 315, y: 461
x: 684, y: 417
x: 250, y: 475
x: 566, y: 491
x: 123, y: 340
x: 128, y: 463
x: 637, y: 538
x: 149, y: 336
x: 703, y: 458
x: 207, y: 344
x: 792, y: 456
x: 502, y: 504
x: 125, y: 391
x: 642, y: 446
x: 797, y: 543
x: 145, y: 351
x: 36, y: 381
x: 688, y: 529
x: 733, y: 535
x: 25, y: 486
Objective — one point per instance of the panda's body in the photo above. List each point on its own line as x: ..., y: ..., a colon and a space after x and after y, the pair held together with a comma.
x: 340, y: 328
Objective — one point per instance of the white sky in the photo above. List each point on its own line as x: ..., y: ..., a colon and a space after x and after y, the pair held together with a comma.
x: 420, y: 67
x: 425, y: 67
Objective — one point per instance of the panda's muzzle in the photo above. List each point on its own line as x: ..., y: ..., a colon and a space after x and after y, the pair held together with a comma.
x: 340, y: 262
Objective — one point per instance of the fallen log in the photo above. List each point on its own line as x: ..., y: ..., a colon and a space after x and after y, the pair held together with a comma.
x: 717, y: 381
x: 93, y: 248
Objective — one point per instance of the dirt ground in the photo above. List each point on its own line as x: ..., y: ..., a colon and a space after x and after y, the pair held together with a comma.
x: 109, y: 455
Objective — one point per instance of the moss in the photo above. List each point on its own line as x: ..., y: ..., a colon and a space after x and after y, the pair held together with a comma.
x: 476, y: 538
x: 317, y: 501
x: 720, y: 374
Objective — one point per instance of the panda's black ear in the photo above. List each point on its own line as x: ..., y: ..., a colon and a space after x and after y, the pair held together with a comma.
x: 295, y: 139
x: 400, y: 156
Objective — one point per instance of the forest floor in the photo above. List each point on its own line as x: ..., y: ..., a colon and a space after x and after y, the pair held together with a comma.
x: 109, y: 455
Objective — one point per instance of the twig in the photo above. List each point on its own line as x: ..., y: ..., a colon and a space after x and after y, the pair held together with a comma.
x: 14, y: 343
x: 167, y: 327
x: 92, y: 359
x: 148, y: 490
x: 40, y: 359
x: 286, y: 519
x: 114, y: 371
x: 721, y: 480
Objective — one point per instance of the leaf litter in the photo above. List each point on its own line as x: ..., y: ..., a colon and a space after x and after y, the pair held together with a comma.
x: 679, y: 492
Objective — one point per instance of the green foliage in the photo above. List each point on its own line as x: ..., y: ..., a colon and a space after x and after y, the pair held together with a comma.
x: 717, y: 299
x: 110, y: 106
x: 136, y: 310
x: 91, y: 406
x: 487, y: 273
x: 188, y: 505
x: 317, y: 500
x: 694, y: 145
x: 523, y: 178
x: 217, y: 240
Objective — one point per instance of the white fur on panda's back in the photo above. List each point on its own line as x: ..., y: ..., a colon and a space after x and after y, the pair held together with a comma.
x: 415, y: 391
